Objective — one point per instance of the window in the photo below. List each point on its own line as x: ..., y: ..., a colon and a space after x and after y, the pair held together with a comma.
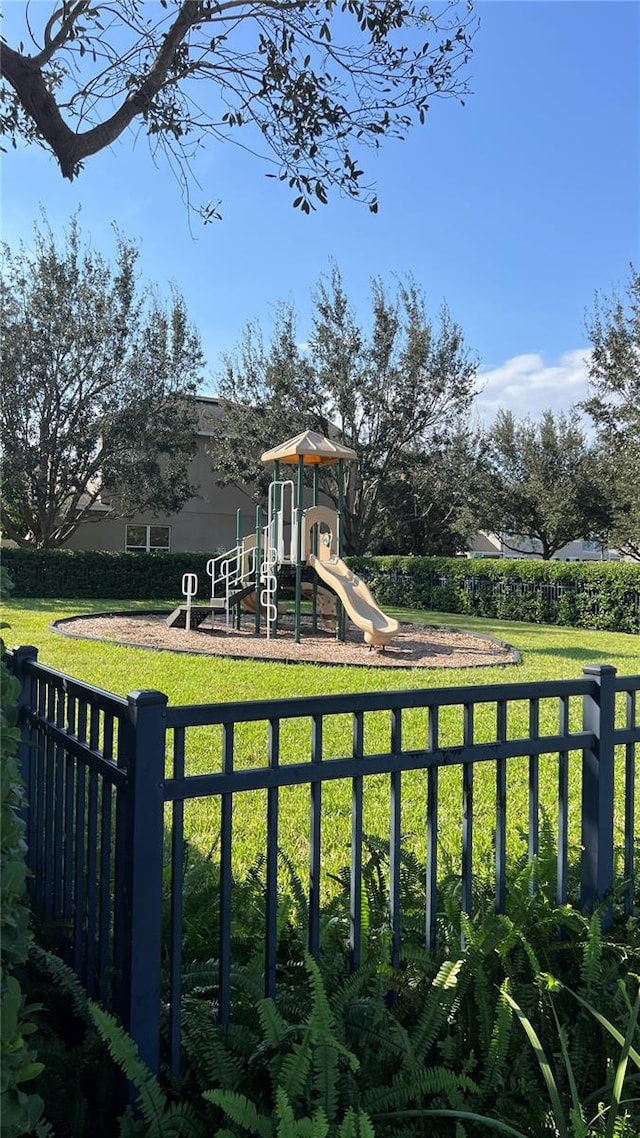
x: 147, y: 539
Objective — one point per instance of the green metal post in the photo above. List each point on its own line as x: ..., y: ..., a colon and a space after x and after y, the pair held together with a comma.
x: 239, y: 555
x: 299, y: 512
x: 258, y: 556
x: 314, y: 550
x: 340, y: 621
x: 277, y: 522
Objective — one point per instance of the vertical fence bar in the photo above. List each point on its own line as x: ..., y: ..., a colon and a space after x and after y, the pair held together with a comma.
x: 226, y: 880
x: 105, y: 893
x: 176, y: 908
x: 39, y: 794
x: 70, y: 840
x: 72, y: 776
x: 501, y: 810
x: 60, y: 837
x: 18, y: 659
x: 395, y: 838
x: 598, y: 716
x: 271, y: 914
x: 48, y: 838
x: 629, y: 805
x: 141, y: 746
x: 314, y: 842
x: 91, y: 880
x: 534, y: 793
x: 563, y: 807
x: 92, y: 858
x: 432, y: 836
x: 467, y: 814
x: 355, y: 883
x: 79, y: 871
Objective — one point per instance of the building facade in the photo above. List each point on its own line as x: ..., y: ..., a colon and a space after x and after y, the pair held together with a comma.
x: 206, y: 523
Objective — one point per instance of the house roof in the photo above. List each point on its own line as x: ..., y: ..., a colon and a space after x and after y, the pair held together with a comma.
x: 312, y: 448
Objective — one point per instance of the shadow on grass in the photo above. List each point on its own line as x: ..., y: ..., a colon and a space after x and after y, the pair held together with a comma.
x: 585, y: 654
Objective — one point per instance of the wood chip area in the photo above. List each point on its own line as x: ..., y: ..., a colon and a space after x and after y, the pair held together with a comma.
x: 416, y: 645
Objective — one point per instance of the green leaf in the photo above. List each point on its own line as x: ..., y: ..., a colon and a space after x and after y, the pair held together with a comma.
x: 239, y: 1109
x: 543, y: 1063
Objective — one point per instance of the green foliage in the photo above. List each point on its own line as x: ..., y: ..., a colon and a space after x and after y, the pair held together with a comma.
x: 603, y: 595
x: 20, y: 1107
x: 98, y: 377
x: 161, y: 1118
x: 600, y: 595
x: 80, y: 1087
x: 315, y: 118
x: 542, y: 482
x: 437, y: 1036
x: 576, y: 1123
x: 397, y: 392
x: 71, y: 573
x: 614, y: 406
x: 378, y: 1054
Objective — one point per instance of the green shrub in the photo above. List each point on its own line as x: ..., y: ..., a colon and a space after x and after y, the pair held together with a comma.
x: 21, y: 1110
x: 602, y: 595
x: 63, y: 573
x: 588, y: 594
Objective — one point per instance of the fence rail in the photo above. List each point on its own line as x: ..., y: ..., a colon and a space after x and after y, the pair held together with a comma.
x: 109, y: 782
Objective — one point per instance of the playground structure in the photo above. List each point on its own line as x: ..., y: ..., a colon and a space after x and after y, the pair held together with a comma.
x: 296, y: 554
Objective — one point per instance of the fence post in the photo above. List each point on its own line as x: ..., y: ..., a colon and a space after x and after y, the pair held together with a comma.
x: 16, y: 659
x: 598, y: 716
x: 142, y: 753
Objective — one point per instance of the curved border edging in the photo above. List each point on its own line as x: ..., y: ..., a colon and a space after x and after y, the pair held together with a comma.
x: 55, y: 627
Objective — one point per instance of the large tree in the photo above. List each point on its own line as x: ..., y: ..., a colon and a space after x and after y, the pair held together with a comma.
x: 542, y: 483
x: 98, y: 378
x: 392, y: 392
x: 614, y: 405
x: 425, y: 508
x: 316, y: 79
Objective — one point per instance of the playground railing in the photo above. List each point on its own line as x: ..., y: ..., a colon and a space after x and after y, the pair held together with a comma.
x: 225, y: 570
x: 110, y: 782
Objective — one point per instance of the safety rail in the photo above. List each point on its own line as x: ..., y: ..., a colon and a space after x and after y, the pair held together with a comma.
x: 109, y: 785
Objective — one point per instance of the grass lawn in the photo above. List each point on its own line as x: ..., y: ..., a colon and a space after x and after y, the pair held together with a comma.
x: 547, y: 652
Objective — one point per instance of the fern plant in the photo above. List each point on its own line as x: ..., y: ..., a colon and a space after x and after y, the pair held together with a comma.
x: 160, y: 1119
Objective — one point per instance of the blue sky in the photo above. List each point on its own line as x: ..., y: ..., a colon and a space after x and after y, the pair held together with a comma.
x: 513, y: 209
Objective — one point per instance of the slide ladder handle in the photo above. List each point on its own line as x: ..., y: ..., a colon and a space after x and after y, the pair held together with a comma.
x: 189, y: 590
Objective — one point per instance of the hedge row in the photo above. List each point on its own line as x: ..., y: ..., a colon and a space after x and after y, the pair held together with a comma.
x: 120, y: 576
x: 588, y: 594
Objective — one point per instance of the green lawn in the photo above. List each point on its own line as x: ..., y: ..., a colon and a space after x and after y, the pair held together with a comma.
x: 547, y: 653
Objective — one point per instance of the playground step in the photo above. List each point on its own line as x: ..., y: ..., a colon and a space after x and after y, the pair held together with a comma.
x: 178, y: 618
x: 200, y: 613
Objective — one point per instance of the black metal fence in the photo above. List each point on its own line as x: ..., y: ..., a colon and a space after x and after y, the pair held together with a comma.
x: 108, y: 785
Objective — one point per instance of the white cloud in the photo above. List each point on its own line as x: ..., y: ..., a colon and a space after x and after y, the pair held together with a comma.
x: 527, y: 386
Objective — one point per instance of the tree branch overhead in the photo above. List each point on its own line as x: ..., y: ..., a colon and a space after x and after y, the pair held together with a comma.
x: 311, y: 79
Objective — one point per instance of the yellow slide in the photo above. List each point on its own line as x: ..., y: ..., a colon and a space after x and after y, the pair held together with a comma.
x: 378, y: 628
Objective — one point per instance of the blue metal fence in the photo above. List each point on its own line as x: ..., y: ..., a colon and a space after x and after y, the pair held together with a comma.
x: 108, y: 786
